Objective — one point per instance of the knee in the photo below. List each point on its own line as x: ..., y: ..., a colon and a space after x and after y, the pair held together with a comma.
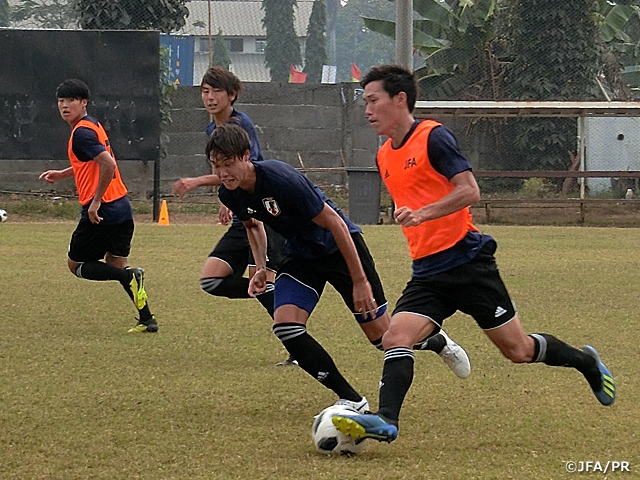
x: 393, y: 337
x: 518, y: 352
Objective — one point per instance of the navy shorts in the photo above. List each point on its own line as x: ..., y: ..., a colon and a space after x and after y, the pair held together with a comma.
x: 91, y: 241
x: 474, y: 288
x: 234, y: 249
x: 301, y: 281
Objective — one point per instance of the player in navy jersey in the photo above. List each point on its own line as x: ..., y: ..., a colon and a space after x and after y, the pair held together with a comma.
x: 322, y: 246
x: 223, y: 272
x: 101, y: 242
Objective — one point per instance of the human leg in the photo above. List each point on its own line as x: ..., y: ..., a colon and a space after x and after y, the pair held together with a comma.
x: 99, y: 253
x: 293, y: 303
x: 397, y: 377
x: 519, y: 347
x: 452, y: 354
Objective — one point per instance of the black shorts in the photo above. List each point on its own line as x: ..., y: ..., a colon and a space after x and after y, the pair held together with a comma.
x: 474, y: 288
x: 234, y: 249
x: 301, y: 281
x: 92, y: 241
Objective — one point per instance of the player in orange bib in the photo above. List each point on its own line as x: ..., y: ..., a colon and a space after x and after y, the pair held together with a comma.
x: 432, y: 186
x: 101, y: 243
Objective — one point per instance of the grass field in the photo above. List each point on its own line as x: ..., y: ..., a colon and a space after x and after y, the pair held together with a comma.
x: 80, y: 398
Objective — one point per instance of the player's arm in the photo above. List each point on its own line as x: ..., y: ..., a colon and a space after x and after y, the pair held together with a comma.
x: 362, y: 294
x: 107, y: 169
x: 53, y: 176
x: 464, y: 194
x: 258, y: 241
x: 184, y: 185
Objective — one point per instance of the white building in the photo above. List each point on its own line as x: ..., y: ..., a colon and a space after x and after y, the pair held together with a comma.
x: 241, y: 26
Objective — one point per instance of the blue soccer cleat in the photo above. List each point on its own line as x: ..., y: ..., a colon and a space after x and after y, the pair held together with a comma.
x: 606, y: 394
x: 364, y: 426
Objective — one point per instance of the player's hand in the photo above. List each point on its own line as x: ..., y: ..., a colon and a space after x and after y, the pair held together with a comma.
x: 258, y: 283
x: 363, y: 300
x: 407, y: 217
x: 51, y: 176
x: 224, y: 215
x: 184, y: 185
x: 93, y: 212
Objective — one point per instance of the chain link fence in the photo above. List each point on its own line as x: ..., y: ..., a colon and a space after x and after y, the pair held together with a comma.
x: 486, y: 50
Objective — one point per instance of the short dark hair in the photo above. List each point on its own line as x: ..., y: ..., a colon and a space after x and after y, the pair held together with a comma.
x: 395, y: 79
x: 218, y: 77
x: 228, y: 140
x: 73, y: 88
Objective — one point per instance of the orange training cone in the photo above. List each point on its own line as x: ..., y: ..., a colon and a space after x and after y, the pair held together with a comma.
x: 164, y: 214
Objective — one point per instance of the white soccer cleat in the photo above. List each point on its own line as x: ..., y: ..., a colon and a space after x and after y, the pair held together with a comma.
x: 455, y: 357
x: 362, y: 406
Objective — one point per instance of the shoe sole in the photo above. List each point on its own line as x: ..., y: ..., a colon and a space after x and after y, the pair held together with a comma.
x: 353, y: 429
x: 153, y: 328
x: 607, y: 394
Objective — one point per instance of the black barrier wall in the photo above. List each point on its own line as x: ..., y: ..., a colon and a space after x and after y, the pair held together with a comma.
x: 121, y: 69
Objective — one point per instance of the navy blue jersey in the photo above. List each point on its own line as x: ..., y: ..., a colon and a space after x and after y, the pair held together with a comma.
x: 287, y: 201
x: 255, y: 152
x: 86, y: 147
x: 245, y: 122
x: 85, y: 144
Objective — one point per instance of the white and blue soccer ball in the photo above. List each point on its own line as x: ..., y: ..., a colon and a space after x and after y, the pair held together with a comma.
x: 327, y: 439
x: 3, y: 215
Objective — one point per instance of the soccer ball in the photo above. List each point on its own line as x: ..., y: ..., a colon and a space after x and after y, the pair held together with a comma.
x: 328, y: 439
x: 3, y: 215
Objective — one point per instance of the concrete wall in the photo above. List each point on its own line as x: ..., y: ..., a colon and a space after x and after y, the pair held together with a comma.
x: 309, y: 126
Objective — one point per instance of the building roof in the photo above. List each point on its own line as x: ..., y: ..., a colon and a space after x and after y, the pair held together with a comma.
x: 242, y: 19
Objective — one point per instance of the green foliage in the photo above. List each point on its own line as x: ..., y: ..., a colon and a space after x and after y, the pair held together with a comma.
x: 282, y: 48
x: 220, y: 57
x: 554, y: 58
x: 358, y: 44
x: 45, y: 13
x: 315, y: 52
x: 164, y: 15
x: 536, y: 188
x: 455, y: 37
x: 554, y: 50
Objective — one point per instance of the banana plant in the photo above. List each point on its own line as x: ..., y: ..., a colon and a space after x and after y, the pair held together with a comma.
x: 452, y: 35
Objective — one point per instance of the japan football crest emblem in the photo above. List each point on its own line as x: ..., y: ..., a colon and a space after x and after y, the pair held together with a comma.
x: 272, y: 206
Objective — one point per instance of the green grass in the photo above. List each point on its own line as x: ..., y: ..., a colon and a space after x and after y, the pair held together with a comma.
x: 80, y: 398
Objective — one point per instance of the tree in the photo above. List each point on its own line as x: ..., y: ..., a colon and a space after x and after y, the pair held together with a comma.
x: 555, y: 57
x: 164, y: 15
x: 220, y: 57
x: 358, y: 44
x: 315, y: 53
x: 455, y: 36
x: 282, y: 48
x: 45, y: 13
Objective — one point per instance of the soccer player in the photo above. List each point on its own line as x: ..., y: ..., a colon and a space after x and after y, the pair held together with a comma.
x: 454, y: 268
x: 223, y: 272
x: 322, y: 246
x: 101, y: 242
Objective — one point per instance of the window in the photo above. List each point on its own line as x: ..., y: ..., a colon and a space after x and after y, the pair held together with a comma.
x: 261, y: 44
x: 234, y: 44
